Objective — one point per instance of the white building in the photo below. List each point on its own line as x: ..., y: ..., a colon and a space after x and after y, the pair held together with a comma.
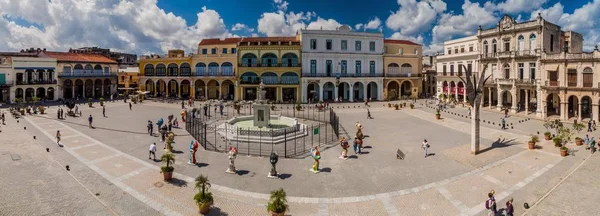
x: 341, y: 64
x: 28, y: 76
x: 460, y: 55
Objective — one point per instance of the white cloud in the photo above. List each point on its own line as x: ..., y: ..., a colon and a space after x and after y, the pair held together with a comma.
x: 137, y: 26
x: 452, y: 25
x: 418, y: 39
x: 281, y: 23
x: 325, y: 24
x: 241, y: 27
x: 358, y: 26
x: 552, y: 14
x: 281, y: 5
x: 375, y: 23
x: 518, y: 6
x: 415, y: 17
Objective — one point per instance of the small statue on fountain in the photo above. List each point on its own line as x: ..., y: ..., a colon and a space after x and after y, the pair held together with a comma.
x: 232, y: 155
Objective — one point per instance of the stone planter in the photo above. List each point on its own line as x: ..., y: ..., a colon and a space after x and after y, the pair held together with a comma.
x: 204, y: 209
x: 167, y: 176
x: 563, y: 152
x: 531, y: 145
x: 276, y: 214
x: 546, y: 137
x: 438, y: 116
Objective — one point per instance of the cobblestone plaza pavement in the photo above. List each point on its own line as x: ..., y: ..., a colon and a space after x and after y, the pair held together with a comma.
x: 110, y: 173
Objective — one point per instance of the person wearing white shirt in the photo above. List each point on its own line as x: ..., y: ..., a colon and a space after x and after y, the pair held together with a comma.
x: 152, y: 151
x: 425, y: 147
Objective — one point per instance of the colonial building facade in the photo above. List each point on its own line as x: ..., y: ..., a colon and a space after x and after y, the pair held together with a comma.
x: 403, y: 69
x: 274, y: 61
x: 460, y: 55
x: 341, y: 64
x: 27, y: 75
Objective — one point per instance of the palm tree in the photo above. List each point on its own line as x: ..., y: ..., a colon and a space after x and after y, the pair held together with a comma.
x: 475, y: 93
x: 278, y: 201
x: 203, y: 198
x: 202, y: 183
x: 167, y: 158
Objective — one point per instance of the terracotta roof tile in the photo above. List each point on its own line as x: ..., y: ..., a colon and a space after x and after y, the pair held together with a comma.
x: 272, y: 39
x: 393, y: 41
x: 214, y: 41
x: 80, y: 57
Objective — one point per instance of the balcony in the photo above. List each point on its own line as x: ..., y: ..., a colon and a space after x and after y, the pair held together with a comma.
x: 36, y: 82
x: 89, y: 74
x: 248, y: 65
x: 269, y: 65
x: 527, y: 53
x: 362, y: 75
x: 505, y: 81
x: 552, y: 83
x: 250, y: 80
x: 506, y: 54
x: 317, y: 75
x: 401, y: 75
x: 290, y: 65
x: 488, y: 56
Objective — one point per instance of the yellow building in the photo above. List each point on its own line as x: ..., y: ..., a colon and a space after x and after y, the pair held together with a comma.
x: 402, y: 68
x: 212, y: 77
x: 128, y: 79
x: 273, y: 60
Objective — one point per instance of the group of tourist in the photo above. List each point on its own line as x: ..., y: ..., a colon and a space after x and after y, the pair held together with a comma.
x: 491, y: 206
x: 590, y: 143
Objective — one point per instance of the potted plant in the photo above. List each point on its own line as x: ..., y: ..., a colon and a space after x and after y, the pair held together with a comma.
x: 557, y: 141
x: 437, y: 114
x: 170, y: 140
x: 404, y: 104
x: 563, y: 151
x: 534, y: 139
x: 203, y: 198
x: 101, y: 101
x: 90, y: 102
x: 578, y: 141
x: 547, y: 135
x: 277, y: 205
x: 396, y: 106
x: 168, y: 159
x: 412, y: 106
x: 578, y: 127
x: 389, y: 105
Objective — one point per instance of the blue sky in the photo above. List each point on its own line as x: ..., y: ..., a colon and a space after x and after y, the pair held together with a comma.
x: 155, y: 26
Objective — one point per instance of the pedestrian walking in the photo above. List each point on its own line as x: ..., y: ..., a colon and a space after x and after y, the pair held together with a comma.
x: 469, y: 111
x: 205, y: 110
x: 104, y: 111
x: 425, y: 147
x: 369, y: 114
x: 152, y: 151
x: 58, y: 137
x: 593, y: 145
x: 586, y: 140
x: 150, y: 127
x: 215, y: 110
x: 58, y: 113
x: 594, y: 124
x: 221, y: 109
x: 170, y: 125
x: 90, y: 119
x: 182, y: 105
x: 510, y: 210
x: 589, y: 126
x: 129, y: 106
x: 490, y: 204
x: 505, y: 113
x: 503, y: 124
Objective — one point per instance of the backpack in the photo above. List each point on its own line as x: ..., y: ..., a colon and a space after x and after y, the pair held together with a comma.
x: 487, y: 204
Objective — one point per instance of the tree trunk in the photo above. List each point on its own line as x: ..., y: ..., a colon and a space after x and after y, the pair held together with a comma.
x: 475, y: 128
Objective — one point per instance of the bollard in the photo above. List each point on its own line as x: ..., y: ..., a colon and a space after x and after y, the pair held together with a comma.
x: 24, y: 128
x: 33, y: 137
x: 511, y: 127
x: 17, y: 121
x: 538, y: 132
x: 47, y: 149
x: 67, y: 167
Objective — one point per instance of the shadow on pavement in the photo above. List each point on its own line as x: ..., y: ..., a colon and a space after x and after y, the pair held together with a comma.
x: 500, y: 143
x: 178, y: 182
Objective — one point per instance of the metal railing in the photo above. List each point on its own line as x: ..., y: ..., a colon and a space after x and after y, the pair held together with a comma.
x: 35, y: 82
x: 319, y: 127
x: 87, y: 75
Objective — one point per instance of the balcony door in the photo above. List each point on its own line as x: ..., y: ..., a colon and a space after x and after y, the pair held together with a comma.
x: 328, y: 68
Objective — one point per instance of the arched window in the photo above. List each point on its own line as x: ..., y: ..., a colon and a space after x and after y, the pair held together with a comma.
x: 98, y: 69
x: 249, y: 60
x: 486, y: 51
x: 149, y: 70
x: 213, y: 69
x: 200, y: 69
x: 521, y: 44
x: 268, y: 60
x: 249, y: 78
x: 532, y: 44
x: 88, y: 68
x: 185, y: 69
x: 161, y: 70
x: 406, y: 68
x: 588, y: 77
x: 506, y: 71
x: 269, y: 78
x: 172, y: 70
x: 393, y: 68
x: 226, y: 69
x: 289, y: 78
x: 289, y: 60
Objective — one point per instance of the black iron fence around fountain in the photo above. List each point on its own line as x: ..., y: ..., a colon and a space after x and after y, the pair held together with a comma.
x: 318, y: 127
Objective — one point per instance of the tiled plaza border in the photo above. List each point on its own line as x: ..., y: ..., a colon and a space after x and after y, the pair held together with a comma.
x: 384, y: 198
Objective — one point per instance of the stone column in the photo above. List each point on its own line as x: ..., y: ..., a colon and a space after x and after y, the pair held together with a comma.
x: 595, y: 114
x: 499, y: 103
x: 366, y: 93
x: 192, y: 90
x: 563, y: 111
x: 514, y: 106
x: 304, y: 93
x: 335, y: 92
x: 73, y: 91
x: 490, y: 99
x: 526, y: 101
x: 102, y: 90
x: 94, y: 90
x: 579, y: 112
x: 539, y: 112
x: 206, y: 91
